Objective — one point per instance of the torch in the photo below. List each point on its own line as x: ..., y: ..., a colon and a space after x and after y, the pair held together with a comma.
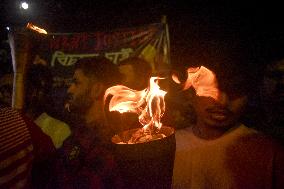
x: 21, y: 43
x: 145, y: 156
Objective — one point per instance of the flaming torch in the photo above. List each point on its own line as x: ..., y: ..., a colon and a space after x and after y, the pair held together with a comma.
x: 36, y: 28
x: 203, y: 80
x: 149, y: 104
x: 145, y: 155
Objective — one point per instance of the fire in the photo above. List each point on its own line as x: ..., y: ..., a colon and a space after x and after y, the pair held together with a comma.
x: 149, y: 104
x: 35, y: 28
x: 202, y: 80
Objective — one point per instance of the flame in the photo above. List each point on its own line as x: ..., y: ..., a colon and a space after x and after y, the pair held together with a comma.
x: 202, y: 80
x: 176, y: 79
x: 149, y: 103
x: 35, y: 28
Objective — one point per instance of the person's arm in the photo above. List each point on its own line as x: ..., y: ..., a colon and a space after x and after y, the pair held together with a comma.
x: 44, y: 152
x: 43, y: 146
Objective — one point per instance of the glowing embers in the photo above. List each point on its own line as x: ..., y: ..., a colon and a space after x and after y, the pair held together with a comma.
x: 202, y: 80
x: 149, y: 104
x: 36, y: 28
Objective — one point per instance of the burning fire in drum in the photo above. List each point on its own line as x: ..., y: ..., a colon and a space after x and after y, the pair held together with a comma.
x: 145, y: 155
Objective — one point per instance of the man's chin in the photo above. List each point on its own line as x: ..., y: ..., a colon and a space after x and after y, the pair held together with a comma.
x: 220, y: 123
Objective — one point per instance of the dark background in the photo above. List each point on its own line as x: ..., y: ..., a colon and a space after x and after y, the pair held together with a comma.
x: 261, y: 22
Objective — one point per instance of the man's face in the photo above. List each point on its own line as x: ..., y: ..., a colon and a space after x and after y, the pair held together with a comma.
x: 223, y: 112
x: 80, y: 93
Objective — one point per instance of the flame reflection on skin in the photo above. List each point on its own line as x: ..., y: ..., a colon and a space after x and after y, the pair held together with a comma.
x: 202, y: 80
x: 35, y: 28
x: 149, y: 103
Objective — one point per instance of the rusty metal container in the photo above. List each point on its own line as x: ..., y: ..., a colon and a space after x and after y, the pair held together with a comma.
x: 146, y: 165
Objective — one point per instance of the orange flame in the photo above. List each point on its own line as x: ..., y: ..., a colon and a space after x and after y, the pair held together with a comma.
x: 202, y: 80
x: 149, y: 103
x: 35, y: 28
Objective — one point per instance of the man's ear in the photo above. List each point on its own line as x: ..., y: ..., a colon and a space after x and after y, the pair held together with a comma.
x: 97, y: 90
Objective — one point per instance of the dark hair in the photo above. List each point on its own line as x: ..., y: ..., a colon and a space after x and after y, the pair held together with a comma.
x: 101, y: 69
x: 141, y: 67
x: 38, y: 90
x: 231, y: 57
x: 39, y: 77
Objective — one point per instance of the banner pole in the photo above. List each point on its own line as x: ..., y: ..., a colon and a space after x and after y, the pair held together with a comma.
x: 164, y: 21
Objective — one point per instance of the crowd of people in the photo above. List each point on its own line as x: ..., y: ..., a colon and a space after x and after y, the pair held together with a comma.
x: 214, y: 148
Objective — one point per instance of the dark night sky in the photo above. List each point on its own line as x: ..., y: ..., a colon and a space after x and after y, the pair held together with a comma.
x: 260, y: 21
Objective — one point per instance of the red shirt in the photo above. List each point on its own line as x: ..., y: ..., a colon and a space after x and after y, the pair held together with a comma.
x: 21, y: 144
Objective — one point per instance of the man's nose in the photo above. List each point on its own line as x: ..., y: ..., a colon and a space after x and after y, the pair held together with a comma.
x: 223, y: 98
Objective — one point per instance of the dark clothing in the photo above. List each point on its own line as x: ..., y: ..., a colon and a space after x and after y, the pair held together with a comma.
x: 86, y: 161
